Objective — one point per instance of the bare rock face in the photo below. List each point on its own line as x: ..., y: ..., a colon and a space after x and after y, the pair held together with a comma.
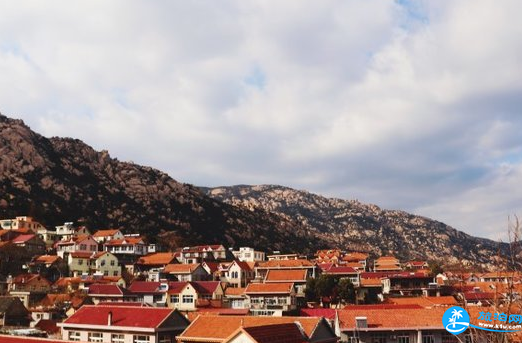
x: 63, y: 179
x: 358, y: 226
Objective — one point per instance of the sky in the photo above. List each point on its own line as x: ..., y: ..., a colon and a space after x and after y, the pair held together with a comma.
x: 410, y: 105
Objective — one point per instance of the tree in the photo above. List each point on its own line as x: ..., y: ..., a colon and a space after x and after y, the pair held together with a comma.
x: 311, y: 290
x: 325, y: 285
x: 346, y: 291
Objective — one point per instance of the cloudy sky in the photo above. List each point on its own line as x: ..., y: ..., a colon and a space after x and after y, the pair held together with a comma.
x: 413, y: 105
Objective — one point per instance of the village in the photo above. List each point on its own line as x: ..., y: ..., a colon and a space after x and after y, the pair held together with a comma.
x: 108, y: 285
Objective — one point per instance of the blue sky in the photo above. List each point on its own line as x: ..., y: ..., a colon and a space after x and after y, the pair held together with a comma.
x: 411, y: 105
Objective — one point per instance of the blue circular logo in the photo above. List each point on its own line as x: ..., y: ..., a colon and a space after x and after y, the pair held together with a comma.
x: 455, y: 320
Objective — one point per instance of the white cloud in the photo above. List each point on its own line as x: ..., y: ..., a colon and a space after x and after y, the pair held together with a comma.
x: 411, y: 104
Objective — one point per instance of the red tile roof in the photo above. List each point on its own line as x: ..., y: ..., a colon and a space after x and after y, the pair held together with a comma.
x: 425, y: 301
x: 145, y: 287
x: 104, y: 289
x: 269, y: 288
x: 231, y: 291
x: 205, y: 287
x: 46, y: 259
x: 125, y: 241
x: 46, y: 325
x: 328, y: 313
x: 23, y: 238
x: 383, y: 307
x: 125, y: 316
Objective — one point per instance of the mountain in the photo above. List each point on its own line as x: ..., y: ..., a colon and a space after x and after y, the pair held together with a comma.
x: 62, y: 179
x: 357, y: 226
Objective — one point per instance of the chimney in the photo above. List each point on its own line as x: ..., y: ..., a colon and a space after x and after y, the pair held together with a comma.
x: 109, y: 319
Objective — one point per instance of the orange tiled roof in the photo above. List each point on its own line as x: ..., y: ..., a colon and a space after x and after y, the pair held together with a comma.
x: 105, y: 233
x: 278, y: 275
x: 355, y: 256
x: 285, y: 264
x: 180, y: 268
x: 266, y: 288
x: 425, y: 301
x: 157, y: 258
x: 393, y: 318
x: 125, y: 241
x: 354, y: 265
x: 235, y: 291
x: 371, y: 283
x: 47, y: 259
x: 218, y: 328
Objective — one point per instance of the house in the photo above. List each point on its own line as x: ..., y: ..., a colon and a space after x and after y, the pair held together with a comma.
x: 67, y: 231
x: 237, y: 274
x: 30, y: 242
x: 270, y: 299
x: 427, y: 302
x: 262, y: 268
x: 416, y: 265
x: 295, y: 276
x: 103, y: 236
x: 123, y: 324
x: 30, y: 288
x: 235, y: 298
x: 370, y: 290
x: 186, y: 272
x: 247, y: 254
x: 13, y: 312
x: 48, y: 236
x: 404, y: 325
x: 182, y: 296
x: 220, y: 329
x: 127, y: 249
x: 210, y: 293
x: 500, y: 276
x: 406, y: 283
x: 80, y: 243
x: 277, y: 256
x: 101, y: 263
x: 344, y: 272
x: 213, y: 269
x: 356, y: 260
x: 152, y: 264
x: 275, y: 333
x: 150, y: 292
x: 200, y: 253
x: 51, y: 267
x: 387, y: 264
x: 328, y: 256
x: 21, y: 222
x: 107, y: 292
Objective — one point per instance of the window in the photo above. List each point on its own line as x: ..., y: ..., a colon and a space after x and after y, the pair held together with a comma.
x: 115, y: 273
x: 428, y: 339
x: 74, y: 335
x: 83, y: 246
x: 188, y: 299
x: 95, y: 337
x: 164, y: 339
x: 403, y: 339
x: 80, y: 262
x: 117, y: 338
x: 174, y: 298
x: 378, y: 338
x: 106, y: 273
x: 141, y: 339
x: 449, y: 338
x: 112, y: 263
x: 102, y: 263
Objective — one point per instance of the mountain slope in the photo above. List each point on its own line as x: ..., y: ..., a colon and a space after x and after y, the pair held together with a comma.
x: 358, y: 226
x: 63, y: 179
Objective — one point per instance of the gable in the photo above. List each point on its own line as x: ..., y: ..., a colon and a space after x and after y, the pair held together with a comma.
x: 323, y: 332
x: 175, y: 320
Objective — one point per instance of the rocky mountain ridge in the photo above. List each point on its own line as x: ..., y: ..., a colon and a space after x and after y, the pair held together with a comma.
x: 63, y: 179
x: 358, y: 226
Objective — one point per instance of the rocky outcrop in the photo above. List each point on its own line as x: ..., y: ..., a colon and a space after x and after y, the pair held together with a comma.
x: 354, y: 225
x: 63, y: 179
